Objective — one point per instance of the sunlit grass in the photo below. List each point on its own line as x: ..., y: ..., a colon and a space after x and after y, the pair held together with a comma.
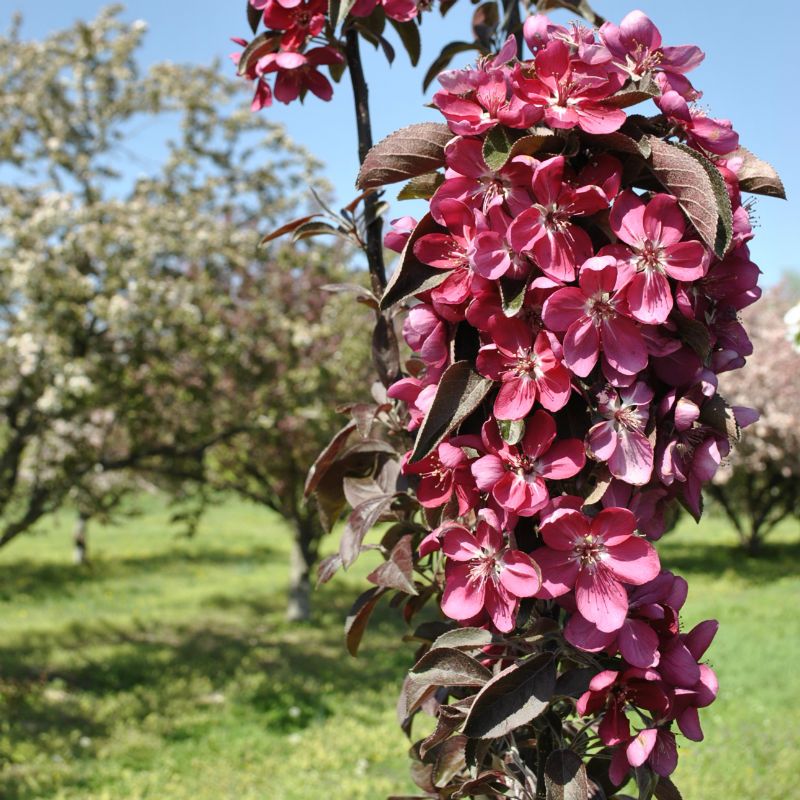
x: 166, y: 669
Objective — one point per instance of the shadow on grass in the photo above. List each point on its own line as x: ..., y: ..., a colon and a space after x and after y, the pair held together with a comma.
x: 776, y: 560
x: 39, y: 580
x: 92, y: 678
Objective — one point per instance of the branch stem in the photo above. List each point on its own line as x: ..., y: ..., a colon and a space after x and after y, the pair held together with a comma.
x: 374, y: 226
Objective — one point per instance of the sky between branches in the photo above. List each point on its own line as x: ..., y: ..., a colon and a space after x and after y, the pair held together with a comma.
x: 747, y: 77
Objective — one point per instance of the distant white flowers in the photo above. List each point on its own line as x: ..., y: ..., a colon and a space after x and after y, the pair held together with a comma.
x: 792, y: 321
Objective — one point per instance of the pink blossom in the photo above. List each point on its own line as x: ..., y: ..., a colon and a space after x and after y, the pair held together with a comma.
x: 483, y: 572
x: 612, y: 693
x: 396, y: 238
x: 594, y: 556
x: 301, y: 20
x: 468, y: 178
x: 445, y: 473
x: 654, y: 232
x: 595, y: 319
x: 636, y: 44
x: 525, y: 364
x: 556, y: 243
x: 571, y: 91
x: 298, y: 73
x: 620, y: 438
x: 489, y: 105
x: 715, y: 135
x: 399, y: 10
x: 417, y: 397
x: 516, y: 474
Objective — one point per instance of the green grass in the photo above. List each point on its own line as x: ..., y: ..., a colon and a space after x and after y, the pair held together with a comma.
x: 165, y: 670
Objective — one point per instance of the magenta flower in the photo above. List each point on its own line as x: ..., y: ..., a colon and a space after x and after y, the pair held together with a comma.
x: 483, y: 573
x: 489, y: 105
x: 399, y: 10
x: 594, y: 556
x: 450, y: 251
x: 417, y: 396
x: 401, y: 230
x: 525, y: 364
x: 298, y: 73
x: 715, y: 135
x: 593, y: 316
x: 300, y: 19
x: 654, y: 233
x: 516, y: 474
x: 613, y: 693
x: 491, y: 253
x: 558, y: 245
x: 468, y: 178
x: 636, y: 44
x: 620, y: 438
x: 444, y: 473
x: 570, y: 91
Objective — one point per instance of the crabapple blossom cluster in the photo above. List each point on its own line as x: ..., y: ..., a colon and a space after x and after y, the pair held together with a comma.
x: 565, y: 260
x: 299, y: 41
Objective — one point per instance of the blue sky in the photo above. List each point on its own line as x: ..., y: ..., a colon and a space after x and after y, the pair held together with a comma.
x: 747, y: 76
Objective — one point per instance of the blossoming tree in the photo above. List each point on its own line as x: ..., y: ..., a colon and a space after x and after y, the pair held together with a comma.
x: 570, y: 299
x: 758, y: 487
x: 144, y: 337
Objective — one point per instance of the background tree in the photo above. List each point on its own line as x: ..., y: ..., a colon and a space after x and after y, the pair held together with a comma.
x: 759, y: 486
x: 141, y: 324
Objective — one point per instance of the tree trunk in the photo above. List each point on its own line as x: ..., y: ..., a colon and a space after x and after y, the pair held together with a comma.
x: 304, y: 554
x: 80, y: 555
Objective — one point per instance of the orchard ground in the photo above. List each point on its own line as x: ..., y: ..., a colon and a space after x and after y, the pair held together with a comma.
x: 165, y: 669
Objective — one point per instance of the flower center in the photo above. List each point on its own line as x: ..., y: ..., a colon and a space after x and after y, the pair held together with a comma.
x: 600, y: 308
x: 555, y: 219
x: 589, y: 551
x: 526, y: 364
x: 650, y: 258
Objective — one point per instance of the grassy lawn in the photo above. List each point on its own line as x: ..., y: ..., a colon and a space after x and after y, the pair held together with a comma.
x: 165, y: 669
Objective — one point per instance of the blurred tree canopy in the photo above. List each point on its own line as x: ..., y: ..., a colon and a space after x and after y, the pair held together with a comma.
x: 760, y: 485
x: 145, y: 336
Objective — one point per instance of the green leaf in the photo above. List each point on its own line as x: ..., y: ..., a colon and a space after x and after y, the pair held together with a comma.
x: 565, y: 776
x: 757, y: 176
x: 422, y: 187
x: 406, y: 153
x: 513, y: 698
x: 448, y: 53
x: 497, y: 147
x: 700, y: 190
x: 512, y: 295
x: 460, y: 391
x: 411, y: 276
x: 511, y: 430
x: 409, y: 36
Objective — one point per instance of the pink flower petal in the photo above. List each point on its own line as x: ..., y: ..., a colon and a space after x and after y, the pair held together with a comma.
x: 519, y: 574
x: 633, y: 561
x: 559, y: 572
x: 601, y: 598
x: 463, y: 597
x: 638, y: 643
x: 641, y: 746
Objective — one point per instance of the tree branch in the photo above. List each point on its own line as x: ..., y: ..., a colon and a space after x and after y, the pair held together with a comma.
x: 374, y: 226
